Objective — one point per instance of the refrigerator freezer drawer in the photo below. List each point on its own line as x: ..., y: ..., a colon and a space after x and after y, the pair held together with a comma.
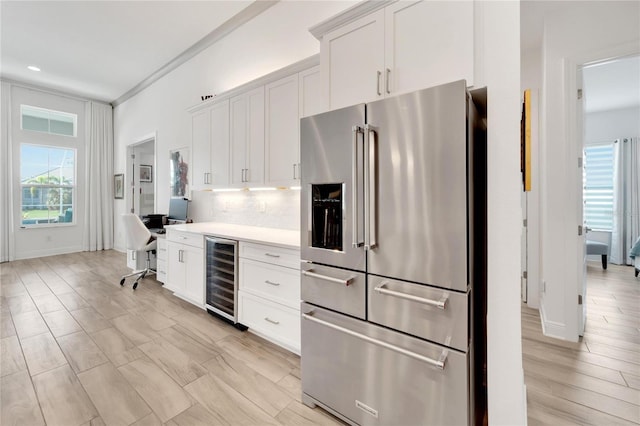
x: 334, y: 288
x: 375, y: 376
x: 427, y: 312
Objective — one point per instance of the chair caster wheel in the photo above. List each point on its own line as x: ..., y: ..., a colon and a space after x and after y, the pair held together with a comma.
x: 135, y: 284
x: 122, y: 282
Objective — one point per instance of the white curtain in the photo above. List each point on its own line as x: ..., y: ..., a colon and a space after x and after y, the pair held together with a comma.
x: 98, y: 232
x: 626, y: 199
x: 6, y: 175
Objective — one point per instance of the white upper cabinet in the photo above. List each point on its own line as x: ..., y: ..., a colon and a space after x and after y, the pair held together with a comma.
x: 352, y: 59
x: 210, y: 146
x: 220, y: 144
x: 402, y: 47
x: 427, y: 43
x: 282, y: 141
x: 247, y: 137
x: 201, y: 148
x: 310, y: 97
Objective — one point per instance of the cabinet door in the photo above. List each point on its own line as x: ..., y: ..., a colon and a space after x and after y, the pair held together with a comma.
x: 282, y: 141
x: 310, y: 98
x: 175, y: 267
x: 255, y: 136
x: 219, y: 144
x: 238, y: 136
x: 352, y: 58
x: 193, y: 259
x: 427, y: 43
x: 201, y: 147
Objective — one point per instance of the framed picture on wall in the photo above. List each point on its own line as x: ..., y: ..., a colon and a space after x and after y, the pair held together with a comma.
x: 146, y: 173
x: 179, y: 160
x: 118, y: 186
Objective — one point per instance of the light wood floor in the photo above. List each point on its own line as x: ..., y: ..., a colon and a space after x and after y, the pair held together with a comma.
x: 595, y: 381
x: 77, y: 349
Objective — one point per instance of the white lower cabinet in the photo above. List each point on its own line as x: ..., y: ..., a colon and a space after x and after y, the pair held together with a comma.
x: 185, y: 266
x: 161, y: 260
x: 275, y: 322
x: 269, y: 293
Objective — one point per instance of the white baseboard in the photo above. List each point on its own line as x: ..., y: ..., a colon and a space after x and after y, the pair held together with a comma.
x: 48, y: 252
x: 551, y: 328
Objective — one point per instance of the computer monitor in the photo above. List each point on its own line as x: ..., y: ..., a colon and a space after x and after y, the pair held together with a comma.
x: 178, y: 209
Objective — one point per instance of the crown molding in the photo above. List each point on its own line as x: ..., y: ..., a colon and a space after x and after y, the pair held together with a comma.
x: 239, y: 19
x: 347, y: 16
x: 296, y: 67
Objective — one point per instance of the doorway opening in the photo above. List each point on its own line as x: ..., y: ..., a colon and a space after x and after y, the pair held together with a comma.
x: 141, y: 162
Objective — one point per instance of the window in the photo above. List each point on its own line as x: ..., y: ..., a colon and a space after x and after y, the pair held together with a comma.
x: 47, y: 178
x: 598, y: 187
x: 48, y: 121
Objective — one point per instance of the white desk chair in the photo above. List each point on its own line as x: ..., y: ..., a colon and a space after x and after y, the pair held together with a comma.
x: 138, y: 239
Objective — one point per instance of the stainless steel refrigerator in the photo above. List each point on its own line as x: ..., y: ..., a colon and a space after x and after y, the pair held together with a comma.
x: 393, y: 242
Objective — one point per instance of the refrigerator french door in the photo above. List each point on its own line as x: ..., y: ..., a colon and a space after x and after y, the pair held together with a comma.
x: 393, y: 207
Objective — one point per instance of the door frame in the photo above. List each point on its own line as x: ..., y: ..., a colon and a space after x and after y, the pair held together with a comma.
x: 134, y: 182
x: 572, y: 65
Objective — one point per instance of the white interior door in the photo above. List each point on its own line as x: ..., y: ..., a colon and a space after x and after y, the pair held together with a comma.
x: 582, y: 247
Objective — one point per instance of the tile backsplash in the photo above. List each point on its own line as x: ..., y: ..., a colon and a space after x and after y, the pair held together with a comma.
x: 271, y: 209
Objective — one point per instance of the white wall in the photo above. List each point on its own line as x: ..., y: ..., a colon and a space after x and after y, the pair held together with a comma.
x: 497, y: 66
x: 612, y: 124
x: 273, y: 40
x: 587, y: 32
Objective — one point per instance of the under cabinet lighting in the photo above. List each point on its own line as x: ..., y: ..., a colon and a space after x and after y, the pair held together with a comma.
x: 296, y: 187
x: 226, y: 190
x: 263, y: 189
x: 33, y: 68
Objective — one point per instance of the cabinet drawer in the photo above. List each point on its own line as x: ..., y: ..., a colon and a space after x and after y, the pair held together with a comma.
x: 161, y: 270
x: 273, y: 282
x: 270, y: 254
x: 161, y: 252
x: 194, y: 240
x: 275, y: 322
x: 412, y: 308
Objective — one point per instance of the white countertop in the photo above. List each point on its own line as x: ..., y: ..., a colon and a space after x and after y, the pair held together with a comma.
x: 254, y: 234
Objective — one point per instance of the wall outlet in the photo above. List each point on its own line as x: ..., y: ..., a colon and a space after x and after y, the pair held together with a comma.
x: 48, y: 238
x: 262, y: 206
x: 226, y: 205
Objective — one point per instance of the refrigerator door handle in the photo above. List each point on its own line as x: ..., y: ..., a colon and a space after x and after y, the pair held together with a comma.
x: 354, y: 184
x: 439, y: 363
x: 440, y: 304
x: 312, y: 274
x: 370, y: 179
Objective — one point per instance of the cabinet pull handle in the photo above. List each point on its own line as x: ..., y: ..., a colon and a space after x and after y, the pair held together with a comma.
x: 271, y: 283
x: 439, y: 363
x: 378, y: 83
x: 271, y: 321
x: 440, y: 304
x: 272, y: 255
x: 387, y: 81
x: 294, y: 171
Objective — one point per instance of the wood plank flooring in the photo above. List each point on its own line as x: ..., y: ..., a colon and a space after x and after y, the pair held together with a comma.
x: 594, y: 381
x: 78, y: 349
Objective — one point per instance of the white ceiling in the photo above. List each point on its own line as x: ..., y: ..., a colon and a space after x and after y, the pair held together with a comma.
x: 101, y: 49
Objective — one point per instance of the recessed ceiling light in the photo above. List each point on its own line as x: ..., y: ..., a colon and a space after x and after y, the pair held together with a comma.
x: 33, y: 68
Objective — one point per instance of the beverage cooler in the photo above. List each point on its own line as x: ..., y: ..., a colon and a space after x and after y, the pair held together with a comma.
x: 222, y: 278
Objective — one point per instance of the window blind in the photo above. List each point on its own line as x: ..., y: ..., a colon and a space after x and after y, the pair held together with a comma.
x: 598, y: 187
